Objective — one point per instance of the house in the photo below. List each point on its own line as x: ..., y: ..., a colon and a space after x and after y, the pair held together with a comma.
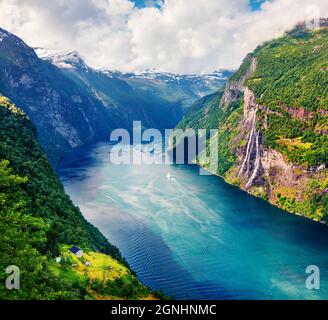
x: 88, y: 264
x: 58, y: 260
x: 77, y: 251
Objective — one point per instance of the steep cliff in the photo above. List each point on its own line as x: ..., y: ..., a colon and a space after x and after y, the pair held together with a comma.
x: 272, y: 136
x: 65, y: 116
x: 126, y: 102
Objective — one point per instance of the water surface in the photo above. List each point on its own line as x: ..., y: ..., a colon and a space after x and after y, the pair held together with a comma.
x: 192, y: 236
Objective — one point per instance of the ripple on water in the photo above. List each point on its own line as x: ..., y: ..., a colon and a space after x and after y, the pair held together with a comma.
x: 196, y: 237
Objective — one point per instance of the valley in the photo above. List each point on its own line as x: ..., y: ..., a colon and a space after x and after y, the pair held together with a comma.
x: 192, y: 236
x: 160, y: 231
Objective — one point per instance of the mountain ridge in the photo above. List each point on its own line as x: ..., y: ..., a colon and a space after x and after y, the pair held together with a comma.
x: 53, y: 55
x: 170, y: 86
x: 64, y: 115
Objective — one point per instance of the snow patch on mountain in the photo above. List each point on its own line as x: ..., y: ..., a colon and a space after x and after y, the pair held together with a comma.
x: 61, y: 59
x: 72, y: 59
x: 152, y: 74
x: 2, y: 35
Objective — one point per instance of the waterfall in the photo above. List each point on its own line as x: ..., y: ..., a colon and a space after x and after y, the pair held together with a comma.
x: 257, y: 161
x: 249, y: 148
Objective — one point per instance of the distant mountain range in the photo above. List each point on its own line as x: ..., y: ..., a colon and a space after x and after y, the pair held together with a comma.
x: 72, y: 104
x: 189, y: 87
x: 173, y: 87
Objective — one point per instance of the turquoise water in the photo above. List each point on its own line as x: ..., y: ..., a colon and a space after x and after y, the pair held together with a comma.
x: 193, y: 236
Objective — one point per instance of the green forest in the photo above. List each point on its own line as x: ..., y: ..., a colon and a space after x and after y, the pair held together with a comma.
x: 292, y: 71
x: 37, y: 218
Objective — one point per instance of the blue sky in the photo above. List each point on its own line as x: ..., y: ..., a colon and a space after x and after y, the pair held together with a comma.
x: 146, y: 3
x: 254, y: 4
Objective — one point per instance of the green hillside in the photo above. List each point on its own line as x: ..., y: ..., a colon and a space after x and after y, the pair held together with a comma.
x: 199, y: 117
x: 285, y: 82
x: 37, y: 218
x: 292, y: 77
x: 292, y: 71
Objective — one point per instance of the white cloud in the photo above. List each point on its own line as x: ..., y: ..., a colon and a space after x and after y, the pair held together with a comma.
x: 183, y: 36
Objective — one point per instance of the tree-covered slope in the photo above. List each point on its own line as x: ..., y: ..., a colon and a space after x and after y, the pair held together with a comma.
x: 199, y: 117
x: 37, y: 217
x: 292, y: 71
x: 273, y: 128
x: 291, y: 79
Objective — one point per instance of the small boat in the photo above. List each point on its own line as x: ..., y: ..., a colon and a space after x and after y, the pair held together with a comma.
x: 169, y: 177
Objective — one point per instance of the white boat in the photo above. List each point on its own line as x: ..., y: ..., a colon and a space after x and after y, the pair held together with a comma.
x: 169, y: 177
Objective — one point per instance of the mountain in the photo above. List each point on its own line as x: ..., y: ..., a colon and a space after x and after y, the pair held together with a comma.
x: 126, y: 102
x: 148, y: 85
x: 72, y: 104
x: 64, y: 115
x: 272, y: 122
x: 185, y: 88
x: 38, y: 222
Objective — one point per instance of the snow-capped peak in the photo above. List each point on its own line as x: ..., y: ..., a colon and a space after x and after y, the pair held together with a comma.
x: 153, y: 74
x: 61, y: 59
x: 72, y: 60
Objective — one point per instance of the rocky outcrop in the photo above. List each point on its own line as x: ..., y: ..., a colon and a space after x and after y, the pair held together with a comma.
x: 232, y: 93
x: 235, y: 88
x: 300, y: 113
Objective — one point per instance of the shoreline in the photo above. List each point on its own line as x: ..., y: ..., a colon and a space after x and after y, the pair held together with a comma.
x: 258, y: 197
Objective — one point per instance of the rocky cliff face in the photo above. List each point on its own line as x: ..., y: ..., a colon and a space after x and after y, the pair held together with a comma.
x: 65, y: 116
x: 264, y: 171
x: 272, y: 121
x: 139, y: 102
x: 250, y: 156
x: 235, y: 87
